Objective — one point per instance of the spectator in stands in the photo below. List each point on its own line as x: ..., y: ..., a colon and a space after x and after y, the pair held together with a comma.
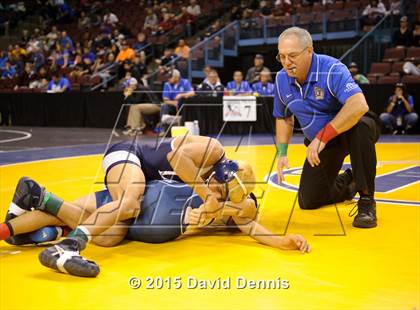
x: 19, y: 51
x: 40, y: 80
x: 215, y: 27
x: 211, y: 86
x: 194, y: 9
x: 126, y: 53
x: 395, y: 7
x: 38, y: 58
x: 24, y: 38
x: 88, y: 56
x: 63, y: 59
x: 165, y: 24
x: 174, y: 91
x: 3, y: 59
x: 9, y: 71
x: 186, y: 19
x: 84, y: 21
x: 282, y: 8
x: 182, y: 50
x: 58, y: 83
x: 357, y: 77
x: 253, y: 74
x: 106, y: 68
x: 78, y: 71
x: 66, y: 42
x: 27, y: 76
x: 151, y: 21
x: 246, y: 22
x: 403, y: 37
x: 52, y: 37
x: 265, y: 9
x: 139, y: 68
x: 264, y: 87
x: 128, y: 80
x: 411, y: 69
x: 373, y: 12
x: 399, y: 114
x: 66, y: 13
x: 166, y: 61
x: 238, y: 86
x: 110, y: 18
x: 140, y: 41
x: 118, y: 40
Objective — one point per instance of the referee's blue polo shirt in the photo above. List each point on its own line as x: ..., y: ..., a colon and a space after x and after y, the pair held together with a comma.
x: 315, y: 103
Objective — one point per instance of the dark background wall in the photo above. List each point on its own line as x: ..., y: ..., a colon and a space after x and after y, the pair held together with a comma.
x: 101, y: 109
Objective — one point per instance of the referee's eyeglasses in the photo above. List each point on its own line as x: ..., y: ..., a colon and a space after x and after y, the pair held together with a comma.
x: 292, y: 56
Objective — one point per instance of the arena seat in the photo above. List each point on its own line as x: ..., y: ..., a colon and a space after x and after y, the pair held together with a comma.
x: 388, y: 79
x: 393, y: 54
x: 397, y: 68
x: 413, y: 54
x: 411, y: 79
x: 379, y: 69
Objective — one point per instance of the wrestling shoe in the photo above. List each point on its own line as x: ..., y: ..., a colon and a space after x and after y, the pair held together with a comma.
x: 28, y: 194
x: 366, y: 213
x: 65, y: 257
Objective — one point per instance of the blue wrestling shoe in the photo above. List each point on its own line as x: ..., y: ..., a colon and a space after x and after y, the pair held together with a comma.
x: 65, y: 257
x: 28, y: 195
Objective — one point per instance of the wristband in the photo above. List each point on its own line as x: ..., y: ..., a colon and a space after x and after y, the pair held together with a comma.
x: 327, y: 133
x: 281, y: 149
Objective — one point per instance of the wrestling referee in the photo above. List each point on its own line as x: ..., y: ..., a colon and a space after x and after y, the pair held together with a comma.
x: 333, y: 114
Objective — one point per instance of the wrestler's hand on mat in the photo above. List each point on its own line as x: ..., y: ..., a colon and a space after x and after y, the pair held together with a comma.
x: 295, y: 242
x: 313, y: 150
x: 282, y: 163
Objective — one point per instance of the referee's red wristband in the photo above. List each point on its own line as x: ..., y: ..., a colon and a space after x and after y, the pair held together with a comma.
x: 327, y: 133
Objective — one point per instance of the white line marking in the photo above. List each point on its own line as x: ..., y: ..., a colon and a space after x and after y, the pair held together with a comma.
x: 26, y: 135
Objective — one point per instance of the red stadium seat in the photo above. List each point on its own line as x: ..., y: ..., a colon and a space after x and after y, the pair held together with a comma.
x: 394, y: 54
x: 413, y: 54
x: 397, y: 68
x: 336, y: 6
x: 318, y: 7
x: 411, y: 79
x: 305, y: 18
x: 373, y: 79
x: 352, y: 4
x: 380, y: 68
x: 388, y: 79
x: 303, y: 9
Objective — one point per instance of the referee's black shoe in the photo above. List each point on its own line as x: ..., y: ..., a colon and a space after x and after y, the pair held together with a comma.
x: 366, y: 213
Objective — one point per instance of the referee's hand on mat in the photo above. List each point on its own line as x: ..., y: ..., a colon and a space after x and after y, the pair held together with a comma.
x: 313, y: 150
x: 282, y: 163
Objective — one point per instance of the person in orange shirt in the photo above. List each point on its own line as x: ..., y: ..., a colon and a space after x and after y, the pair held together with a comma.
x: 126, y: 53
x: 182, y: 50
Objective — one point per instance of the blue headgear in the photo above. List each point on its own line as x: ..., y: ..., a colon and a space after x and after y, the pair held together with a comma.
x: 225, y: 170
